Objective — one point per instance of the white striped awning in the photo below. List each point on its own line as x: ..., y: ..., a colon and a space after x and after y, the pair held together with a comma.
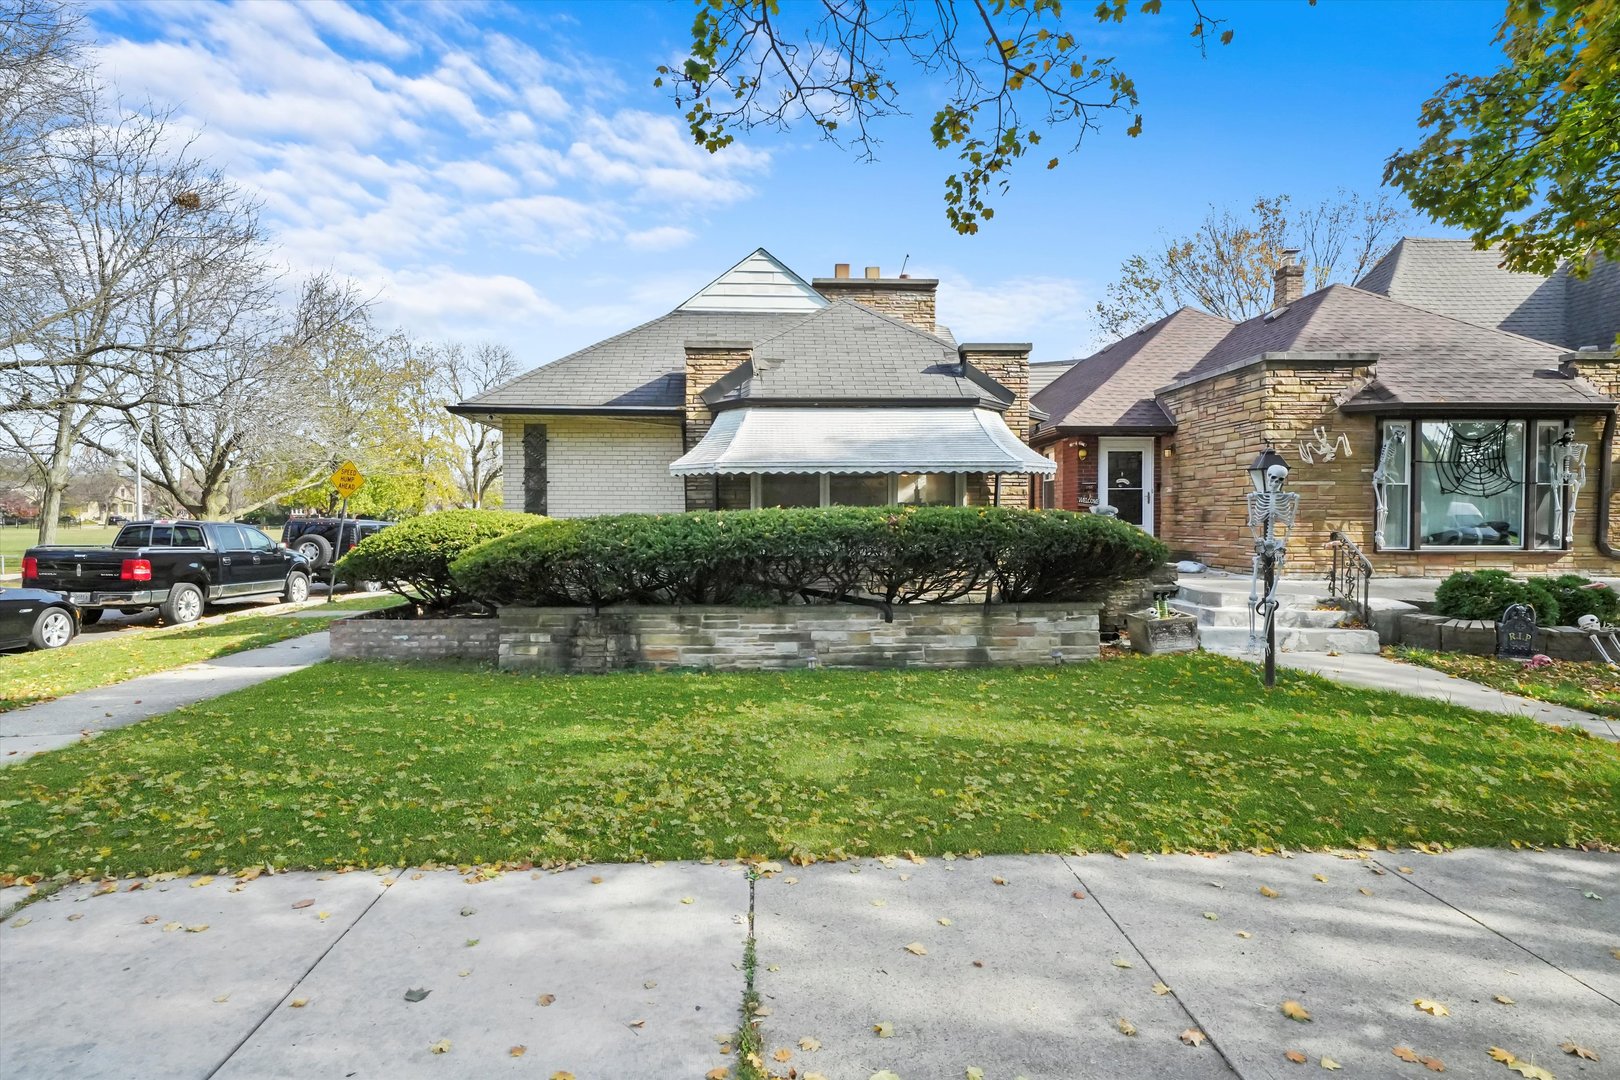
x: 856, y: 440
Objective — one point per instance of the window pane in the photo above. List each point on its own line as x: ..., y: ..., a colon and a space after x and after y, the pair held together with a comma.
x: 229, y: 538
x: 845, y: 490
x: 1471, y: 482
x: 1397, y: 485
x: 160, y: 535
x: 135, y: 536
x: 927, y: 489
x: 790, y: 489
x: 734, y: 492
x: 187, y: 536
x: 1546, y: 528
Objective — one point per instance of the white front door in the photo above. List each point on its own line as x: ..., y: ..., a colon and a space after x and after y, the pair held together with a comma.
x: 1125, y: 479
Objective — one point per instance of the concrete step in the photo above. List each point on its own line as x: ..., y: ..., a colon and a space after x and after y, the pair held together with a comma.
x: 1237, y: 593
x: 1289, y: 639
x: 1297, y: 617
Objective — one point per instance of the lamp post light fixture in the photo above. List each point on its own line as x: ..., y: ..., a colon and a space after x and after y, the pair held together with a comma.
x: 1271, y: 516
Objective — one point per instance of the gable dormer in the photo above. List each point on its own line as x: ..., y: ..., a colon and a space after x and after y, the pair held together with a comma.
x: 761, y: 283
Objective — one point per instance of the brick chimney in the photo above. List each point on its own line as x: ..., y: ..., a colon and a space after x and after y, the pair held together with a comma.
x: 907, y: 298
x: 1288, y: 279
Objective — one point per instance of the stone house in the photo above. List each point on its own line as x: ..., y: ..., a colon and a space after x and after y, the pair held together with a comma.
x: 1417, y: 413
x: 763, y: 389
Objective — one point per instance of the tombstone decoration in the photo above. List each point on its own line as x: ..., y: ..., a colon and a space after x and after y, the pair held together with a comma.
x: 1516, y: 633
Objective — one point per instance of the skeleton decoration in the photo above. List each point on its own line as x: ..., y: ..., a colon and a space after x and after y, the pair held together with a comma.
x: 1271, y: 517
x: 1393, y: 443
x: 1569, y: 475
x: 1323, y: 446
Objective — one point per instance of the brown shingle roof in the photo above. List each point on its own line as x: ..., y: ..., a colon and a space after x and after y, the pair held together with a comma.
x: 1114, y: 386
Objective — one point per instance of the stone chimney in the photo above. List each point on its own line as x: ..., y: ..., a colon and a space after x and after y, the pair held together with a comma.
x: 908, y: 298
x: 1288, y: 279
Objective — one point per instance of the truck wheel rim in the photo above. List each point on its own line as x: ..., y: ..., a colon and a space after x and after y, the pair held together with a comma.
x: 311, y: 553
x: 187, y: 607
x: 300, y: 590
x: 57, y: 630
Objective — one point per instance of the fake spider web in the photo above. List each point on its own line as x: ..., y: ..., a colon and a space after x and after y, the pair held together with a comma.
x: 1474, y: 464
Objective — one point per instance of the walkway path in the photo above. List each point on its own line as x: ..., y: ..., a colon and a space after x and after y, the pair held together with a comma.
x: 1382, y: 673
x: 52, y: 724
x: 1041, y: 966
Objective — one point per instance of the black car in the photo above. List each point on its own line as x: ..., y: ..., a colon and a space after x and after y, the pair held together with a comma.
x: 178, y: 567
x: 316, y: 538
x: 36, y: 618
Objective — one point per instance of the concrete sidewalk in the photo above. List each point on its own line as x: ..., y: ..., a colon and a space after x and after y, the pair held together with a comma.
x: 53, y: 724
x: 1018, y: 965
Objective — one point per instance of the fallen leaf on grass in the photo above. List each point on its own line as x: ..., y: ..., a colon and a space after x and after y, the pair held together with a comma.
x: 1192, y: 1036
x: 1496, y: 1053
x: 416, y: 995
x: 1434, y: 1064
x: 1160, y: 989
x: 717, y: 1074
x: 1125, y: 1026
x: 884, y: 1030
x: 1329, y: 1063
x: 303, y: 903
x: 1577, y: 1050
x: 1406, y: 1053
x: 200, y: 882
x: 1295, y: 1056
x: 884, y: 1074
x: 545, y: 999
x: 809, y: 1045
x: 1295, y: 1011
x: 782, y: 1054
x: 974, y: 1073
x: 917, y: 948
x: 1269, y: 893
x: 518, y: 1051
x: 1433, y: 1008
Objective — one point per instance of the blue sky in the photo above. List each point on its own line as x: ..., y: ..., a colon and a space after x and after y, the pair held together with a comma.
x: 507, y: 172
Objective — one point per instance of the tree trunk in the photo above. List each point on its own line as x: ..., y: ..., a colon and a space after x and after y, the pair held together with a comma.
x: 50, y: 507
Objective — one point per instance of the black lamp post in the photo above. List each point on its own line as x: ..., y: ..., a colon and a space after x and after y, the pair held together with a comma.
x: 1267, y: 507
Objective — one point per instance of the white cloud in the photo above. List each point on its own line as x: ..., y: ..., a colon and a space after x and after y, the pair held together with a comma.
x: 1005, y: 310
x: 661, y: 238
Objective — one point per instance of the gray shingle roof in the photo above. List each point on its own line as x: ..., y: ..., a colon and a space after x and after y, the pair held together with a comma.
x: 644, y: 367
x: 1452, y: 277
x: 1423, y: 357
x: 849, y: 352
x: 1044, y: 373
x: 1114, y: 386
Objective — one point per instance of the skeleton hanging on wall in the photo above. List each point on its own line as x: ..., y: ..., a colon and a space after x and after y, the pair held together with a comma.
x: 1569, y: 474
x: 1323, y: 446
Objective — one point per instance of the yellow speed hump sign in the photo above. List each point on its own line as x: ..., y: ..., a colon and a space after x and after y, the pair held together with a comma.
x: 347, y: 479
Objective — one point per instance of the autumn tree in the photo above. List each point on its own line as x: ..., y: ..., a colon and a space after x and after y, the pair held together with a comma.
x: 472, y: 450
x: 1226, y: 265
x: 1009, y: 72
x: 1529, y: 155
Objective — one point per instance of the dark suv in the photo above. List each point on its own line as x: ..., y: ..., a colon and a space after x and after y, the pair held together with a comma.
x: 316, y: 538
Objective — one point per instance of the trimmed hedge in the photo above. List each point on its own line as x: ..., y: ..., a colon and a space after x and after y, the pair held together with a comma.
x: 872, y: 555
x: 1559, y: 601
x: 413, y: 558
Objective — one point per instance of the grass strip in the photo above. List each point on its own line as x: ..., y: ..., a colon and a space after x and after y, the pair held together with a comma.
x: 372, y: 764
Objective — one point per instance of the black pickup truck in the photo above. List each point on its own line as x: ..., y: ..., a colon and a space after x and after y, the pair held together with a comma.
x: 178, y: 567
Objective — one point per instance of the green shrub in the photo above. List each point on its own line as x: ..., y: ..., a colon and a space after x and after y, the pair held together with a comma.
x: 873, y: 555
x: 413, y: 558
x: 1577, y: 596
x: 1485, y: 594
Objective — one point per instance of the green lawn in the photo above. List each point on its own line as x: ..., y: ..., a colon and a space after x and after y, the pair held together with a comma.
x: 16, y: 539
x: 1592, y: 686
x: 29, y: 677
x: 376, y: 764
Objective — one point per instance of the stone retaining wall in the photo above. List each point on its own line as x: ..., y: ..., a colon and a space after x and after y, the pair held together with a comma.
x: 1477, y: 637
x: 415, y: 639
x: 739, y: 639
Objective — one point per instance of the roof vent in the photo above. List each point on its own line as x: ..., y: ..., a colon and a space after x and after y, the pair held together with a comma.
x: 1274, y: 314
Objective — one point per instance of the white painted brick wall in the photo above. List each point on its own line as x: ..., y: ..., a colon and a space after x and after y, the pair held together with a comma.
x: 597, y: 465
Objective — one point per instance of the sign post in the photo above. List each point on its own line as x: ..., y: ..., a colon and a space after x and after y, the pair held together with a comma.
x: 347, y: 480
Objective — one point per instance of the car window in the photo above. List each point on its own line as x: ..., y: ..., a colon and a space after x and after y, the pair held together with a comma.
x: 160, y: 535
x: 133, y: 536
x: 187, y: 536
x: 257, y: 540
x: 229, y: 538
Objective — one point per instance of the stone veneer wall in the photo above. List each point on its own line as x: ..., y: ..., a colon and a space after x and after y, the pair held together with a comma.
x: 415, y: 639
x: 910, y: 299
x: 705, y: 362
x: 774, y: 638
x: 1011, y: 369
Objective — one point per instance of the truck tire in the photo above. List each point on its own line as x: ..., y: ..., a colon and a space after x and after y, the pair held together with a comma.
x: 90, y: 616
x: 297, y: 590
x: 184, y: 605
x: 314, y: 547
x: 53, y: 629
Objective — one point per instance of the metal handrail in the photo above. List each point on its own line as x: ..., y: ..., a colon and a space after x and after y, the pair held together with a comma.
x: 1350, y: 576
